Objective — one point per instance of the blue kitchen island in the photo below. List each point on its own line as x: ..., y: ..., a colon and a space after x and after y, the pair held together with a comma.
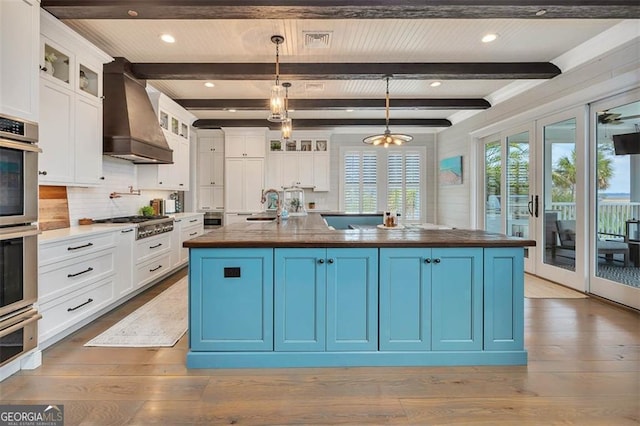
x: 298, y: 294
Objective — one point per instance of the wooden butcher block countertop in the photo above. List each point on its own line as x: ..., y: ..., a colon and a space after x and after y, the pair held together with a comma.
x: 312, y: 231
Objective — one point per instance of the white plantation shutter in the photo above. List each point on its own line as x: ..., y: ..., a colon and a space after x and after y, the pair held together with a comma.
x: 403, y: 184
x: 360, y: 182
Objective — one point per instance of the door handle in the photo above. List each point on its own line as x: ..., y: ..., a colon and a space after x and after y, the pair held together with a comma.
x: 536, y: 206
x: 530, y: 206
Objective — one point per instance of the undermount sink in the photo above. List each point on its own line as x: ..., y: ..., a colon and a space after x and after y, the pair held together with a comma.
x: 260, y: 218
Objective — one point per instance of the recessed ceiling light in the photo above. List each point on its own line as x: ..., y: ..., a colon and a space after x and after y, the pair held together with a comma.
x: 435, y: 83
x: 167, y: 38
x: 489, y: 38
x: 541, y: 12
x: 349, y: 110
x: 132, y: 13
x: 231, y: 110
x: 209, y: 84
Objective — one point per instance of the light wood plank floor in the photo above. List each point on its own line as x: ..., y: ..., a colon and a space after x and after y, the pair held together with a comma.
x: 584, y: 369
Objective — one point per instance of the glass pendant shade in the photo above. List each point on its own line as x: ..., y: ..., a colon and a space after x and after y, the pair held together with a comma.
x: 387, y: 138
x: 276, y: 104
x: 286, y: 128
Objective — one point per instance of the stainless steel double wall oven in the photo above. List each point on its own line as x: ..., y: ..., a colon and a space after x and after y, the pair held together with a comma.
x: 18, y: 237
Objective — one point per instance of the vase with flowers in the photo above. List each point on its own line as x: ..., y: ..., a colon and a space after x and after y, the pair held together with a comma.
x: 49, y: 59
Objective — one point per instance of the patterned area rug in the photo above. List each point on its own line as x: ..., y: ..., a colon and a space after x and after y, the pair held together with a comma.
x: 538, y: 288
x: 160, y: 322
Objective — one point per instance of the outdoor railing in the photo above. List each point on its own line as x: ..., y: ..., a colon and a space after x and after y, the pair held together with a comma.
x: 612, y: 217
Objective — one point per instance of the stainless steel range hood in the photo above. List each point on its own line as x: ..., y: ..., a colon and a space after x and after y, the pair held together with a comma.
x: 131, y: 130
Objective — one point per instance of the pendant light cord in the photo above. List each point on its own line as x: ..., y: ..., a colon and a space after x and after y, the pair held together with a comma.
x: 387, y: 106
x: 277, y: 63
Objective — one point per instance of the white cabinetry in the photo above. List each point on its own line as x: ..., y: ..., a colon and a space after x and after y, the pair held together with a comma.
x: 76, y: 279
x: 125, y: 241
x: 210, y: 170
x: 70, y: 107
x: 153, y: 258
x: 301, y: 161
x: 19, y: 47
x: 244, y: 150
x: 176, y: 126
x: 186, y: 227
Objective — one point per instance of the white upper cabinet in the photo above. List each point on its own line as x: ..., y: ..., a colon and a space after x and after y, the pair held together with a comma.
x: 210, y: 170
x: 70, y: 106
x: 302, y: 161
x: 244, y: 142
x: 176, y: 126
x: 20, y: 53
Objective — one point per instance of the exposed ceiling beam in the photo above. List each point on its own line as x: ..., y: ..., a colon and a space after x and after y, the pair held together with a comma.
x: 336, y: 104
x: 210, y: 123
x: 343, y: 9
x: 346, y: 71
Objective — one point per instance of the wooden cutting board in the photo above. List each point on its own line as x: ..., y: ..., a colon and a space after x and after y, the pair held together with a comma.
x: 53, y: 207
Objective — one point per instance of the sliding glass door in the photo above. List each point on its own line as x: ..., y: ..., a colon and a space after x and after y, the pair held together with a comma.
x: 615, y: 199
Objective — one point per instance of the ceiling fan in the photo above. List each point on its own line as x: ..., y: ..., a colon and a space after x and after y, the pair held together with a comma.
x: 613, y: 118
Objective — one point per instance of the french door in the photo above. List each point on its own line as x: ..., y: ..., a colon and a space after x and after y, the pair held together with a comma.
x: 561, y: 180
x: 509, y: 200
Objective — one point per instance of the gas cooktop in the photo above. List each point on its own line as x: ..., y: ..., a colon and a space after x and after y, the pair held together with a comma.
x: 130, y: 219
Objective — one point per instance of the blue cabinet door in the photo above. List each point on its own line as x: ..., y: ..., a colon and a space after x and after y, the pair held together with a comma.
x: 405, y: 299
x: 456, y: 304
x: 503, y: 299
x: 352, y: 299
x: 300, y: 289
x: 231, y: 299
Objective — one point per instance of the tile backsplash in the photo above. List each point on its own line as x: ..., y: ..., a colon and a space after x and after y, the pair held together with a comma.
x: 94, y: 202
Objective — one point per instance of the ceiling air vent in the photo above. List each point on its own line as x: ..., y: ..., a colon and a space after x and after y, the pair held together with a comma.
x: 317, y: 39
x: 314, y: 87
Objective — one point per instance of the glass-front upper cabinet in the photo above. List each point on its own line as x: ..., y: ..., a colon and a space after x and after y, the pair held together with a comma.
x: 298, y: 145
x: 56, y: 62
x: 88, y: 80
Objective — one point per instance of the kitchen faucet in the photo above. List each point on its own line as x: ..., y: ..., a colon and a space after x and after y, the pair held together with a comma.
x: 263, y: 199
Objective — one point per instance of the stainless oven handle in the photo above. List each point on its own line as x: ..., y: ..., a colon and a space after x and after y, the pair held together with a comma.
x: 19, y: 325
x: 18, y: 232
x: 21, y: 146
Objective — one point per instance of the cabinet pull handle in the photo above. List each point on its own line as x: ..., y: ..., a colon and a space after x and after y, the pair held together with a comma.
x: 320, y: 261
x: 156, y: 246
x: 79, y: 247
x: 191, y: 235
x: 155, y: 269
x: 427, y: 260
x: 193, y: 220
x: 330, y: 260
x: 89, y: 269
x: 436, y: 260
x: 80, y: 305
x: 126, y: 230
x: 43, y: 173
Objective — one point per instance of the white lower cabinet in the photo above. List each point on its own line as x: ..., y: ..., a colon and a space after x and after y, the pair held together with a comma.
x: 185, y: 228
x: 126, y: 239
x: 153, y: 258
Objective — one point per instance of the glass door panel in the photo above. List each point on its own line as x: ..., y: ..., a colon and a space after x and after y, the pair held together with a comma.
x: 492, y: 186
x: 519, y: 206
x: 562, y: 249
x: 615, y: 254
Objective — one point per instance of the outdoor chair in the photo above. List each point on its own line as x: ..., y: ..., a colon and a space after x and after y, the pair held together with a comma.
x: 566, y: 231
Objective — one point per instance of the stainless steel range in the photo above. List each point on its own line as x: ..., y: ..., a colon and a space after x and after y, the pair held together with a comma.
x: 148, y: 226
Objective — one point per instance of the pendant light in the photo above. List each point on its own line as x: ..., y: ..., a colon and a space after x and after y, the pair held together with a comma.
x: 387, y: 138
x: 287, y: 127
x: 276, y: 101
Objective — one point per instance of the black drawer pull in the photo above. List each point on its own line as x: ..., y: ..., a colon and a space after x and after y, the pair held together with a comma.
x: 156, y: 246
x: 155, y: 269
x: 126, y: 230
x: 193, y: 220
x: 79, y: 247
x: 89, y: 269
x: 195, y: 233
x: 79, y: 306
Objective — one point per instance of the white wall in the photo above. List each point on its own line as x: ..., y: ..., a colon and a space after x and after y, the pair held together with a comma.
x: 612, y: 73
x: 95, y: 202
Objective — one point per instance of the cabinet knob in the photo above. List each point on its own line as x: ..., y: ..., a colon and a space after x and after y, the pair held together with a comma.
x: 320, y: 260
x: 330, y: 260
x: 436, y: 260
x: 43, y: 173
x: 427, y: 260
x: 101, y: 177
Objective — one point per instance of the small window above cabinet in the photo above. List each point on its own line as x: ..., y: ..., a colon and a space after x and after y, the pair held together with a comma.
x: 88, y: 80
x: 184, y: 131
x: 175, y: 126
x: 56, y: 63
x: 164, y: 120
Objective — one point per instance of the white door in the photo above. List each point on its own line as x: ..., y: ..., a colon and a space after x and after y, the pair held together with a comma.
x: 614, y: 255
x: 561, y: 180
